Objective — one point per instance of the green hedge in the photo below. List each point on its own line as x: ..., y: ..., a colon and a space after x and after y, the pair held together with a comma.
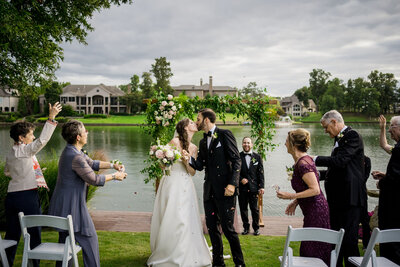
x: 91, y: 116
x: 50, y: 171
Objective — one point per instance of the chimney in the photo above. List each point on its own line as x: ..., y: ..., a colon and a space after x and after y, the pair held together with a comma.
x: 210, y: 88
x: 201, y: 81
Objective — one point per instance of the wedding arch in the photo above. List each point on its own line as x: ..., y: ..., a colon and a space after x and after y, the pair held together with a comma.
x: 164, y: 112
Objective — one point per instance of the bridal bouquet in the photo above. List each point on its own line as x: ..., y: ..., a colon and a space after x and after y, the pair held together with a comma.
x: 165, y: 156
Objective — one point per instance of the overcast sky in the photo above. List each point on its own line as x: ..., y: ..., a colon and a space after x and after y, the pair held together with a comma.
x: 274, y: 43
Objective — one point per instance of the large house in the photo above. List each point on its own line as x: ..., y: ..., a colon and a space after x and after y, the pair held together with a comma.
x: 93, y: 99
x: 8, y: 99
x: 292, y: 106
x: 203, y: 89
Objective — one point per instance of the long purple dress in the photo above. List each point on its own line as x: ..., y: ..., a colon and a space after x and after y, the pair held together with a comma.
x: 315, y: 210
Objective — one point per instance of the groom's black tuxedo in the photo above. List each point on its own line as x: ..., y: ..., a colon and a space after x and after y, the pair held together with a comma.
x: 222, y: 164
x: 345, y: 189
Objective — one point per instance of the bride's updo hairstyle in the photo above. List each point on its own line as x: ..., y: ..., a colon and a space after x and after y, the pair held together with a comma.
x: 300, y: 139
x: 182, y: 133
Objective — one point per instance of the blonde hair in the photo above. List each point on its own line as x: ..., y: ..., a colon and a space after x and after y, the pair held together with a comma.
x: 300, y: 139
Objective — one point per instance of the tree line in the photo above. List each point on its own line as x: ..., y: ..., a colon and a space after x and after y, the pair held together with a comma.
x: 378, y: 94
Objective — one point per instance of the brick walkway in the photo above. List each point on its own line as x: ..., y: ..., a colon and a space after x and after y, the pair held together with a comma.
x: 122, y: 221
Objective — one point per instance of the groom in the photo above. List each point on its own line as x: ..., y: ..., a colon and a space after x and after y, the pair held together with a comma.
x: 219, y: 155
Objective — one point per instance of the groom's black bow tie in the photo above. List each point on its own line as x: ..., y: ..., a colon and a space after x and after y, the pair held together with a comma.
x: 207, y: 134
x: 247, y: 154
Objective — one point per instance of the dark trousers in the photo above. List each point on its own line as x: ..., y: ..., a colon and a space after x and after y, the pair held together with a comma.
x: 249, y: 199
x: 28, y: 202
x: 90, y: 249
x: 347, y: 218
x: 222, y: 211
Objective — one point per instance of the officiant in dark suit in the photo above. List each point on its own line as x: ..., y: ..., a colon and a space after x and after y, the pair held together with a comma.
x: 219, y: 156
x: 251, y: 185
x: 344, y: 181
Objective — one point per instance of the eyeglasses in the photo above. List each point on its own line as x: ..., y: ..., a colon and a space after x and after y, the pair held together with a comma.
x: 393, y: 126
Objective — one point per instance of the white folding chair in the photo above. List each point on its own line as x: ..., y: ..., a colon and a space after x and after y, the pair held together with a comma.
x: 310, y: 234
x: 49, y: 251
x: 370, y: 258
x: 4, y: 243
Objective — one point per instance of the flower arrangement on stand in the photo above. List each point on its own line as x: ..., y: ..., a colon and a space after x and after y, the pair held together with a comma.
x: 163, y: 113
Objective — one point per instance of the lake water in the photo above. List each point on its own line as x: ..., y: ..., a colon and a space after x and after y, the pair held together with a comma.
x: 131, y: 145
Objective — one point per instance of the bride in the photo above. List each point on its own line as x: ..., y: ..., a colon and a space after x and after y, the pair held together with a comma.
x: 176, y: 237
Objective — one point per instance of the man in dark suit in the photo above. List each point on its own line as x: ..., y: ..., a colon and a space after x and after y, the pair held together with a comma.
x: 251, y: 185
x: 344, y: 182
x: 389, y: 187
x: 219, y: 156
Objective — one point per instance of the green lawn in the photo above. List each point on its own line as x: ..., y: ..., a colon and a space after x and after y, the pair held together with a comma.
x: 141, y: 119
x: 133, y: 249
x: 134, y: 119
x: 348, y: 117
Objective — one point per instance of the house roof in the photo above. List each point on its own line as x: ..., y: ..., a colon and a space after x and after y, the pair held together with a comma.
x: 289, y: 100
x: 286, y: 101
x: 6, y: 91
x: 83, y: 89
x: 204, y: 87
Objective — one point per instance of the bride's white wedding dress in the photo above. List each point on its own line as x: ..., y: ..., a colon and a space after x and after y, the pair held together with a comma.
x: 176, y: 237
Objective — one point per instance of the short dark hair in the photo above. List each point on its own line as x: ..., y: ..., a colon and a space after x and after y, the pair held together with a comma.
x: 71, y: 130
x: 20, y: 128
x: 248, y: 138
x: 208, y: 113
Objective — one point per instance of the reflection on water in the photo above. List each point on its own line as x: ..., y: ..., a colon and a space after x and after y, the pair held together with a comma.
x: 130, y: 145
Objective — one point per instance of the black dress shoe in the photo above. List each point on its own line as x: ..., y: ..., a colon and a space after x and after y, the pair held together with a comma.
x: 256, y: 232
x: 240, y: 265
x: 245, y: 232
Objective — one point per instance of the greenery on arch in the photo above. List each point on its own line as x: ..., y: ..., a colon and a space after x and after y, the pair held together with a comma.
x: 165, y: 111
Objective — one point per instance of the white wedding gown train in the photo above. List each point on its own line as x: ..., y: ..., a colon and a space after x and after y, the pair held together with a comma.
x: 176, y: 237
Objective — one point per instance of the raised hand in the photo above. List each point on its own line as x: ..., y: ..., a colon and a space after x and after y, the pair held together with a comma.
x: 54, y: 110
x: 382, y: 122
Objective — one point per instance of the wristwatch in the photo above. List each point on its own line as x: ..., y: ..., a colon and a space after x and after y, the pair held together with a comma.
x: 113, y: 176
x: 111, y: 165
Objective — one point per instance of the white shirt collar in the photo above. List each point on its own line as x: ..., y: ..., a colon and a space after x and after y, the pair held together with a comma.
x: 344, y: 128
x: 213, y: 129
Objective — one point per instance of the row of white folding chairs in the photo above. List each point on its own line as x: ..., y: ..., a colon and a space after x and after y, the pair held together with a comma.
x: 335, y: 237
x: 45, y: 251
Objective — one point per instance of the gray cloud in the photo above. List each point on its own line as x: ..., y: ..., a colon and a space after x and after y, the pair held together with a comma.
x: 275, y: 43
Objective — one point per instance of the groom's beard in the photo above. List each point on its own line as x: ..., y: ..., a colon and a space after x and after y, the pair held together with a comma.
x: 201, y: 126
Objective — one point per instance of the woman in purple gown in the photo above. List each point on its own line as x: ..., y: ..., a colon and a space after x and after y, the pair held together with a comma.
x: 305, y: 181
